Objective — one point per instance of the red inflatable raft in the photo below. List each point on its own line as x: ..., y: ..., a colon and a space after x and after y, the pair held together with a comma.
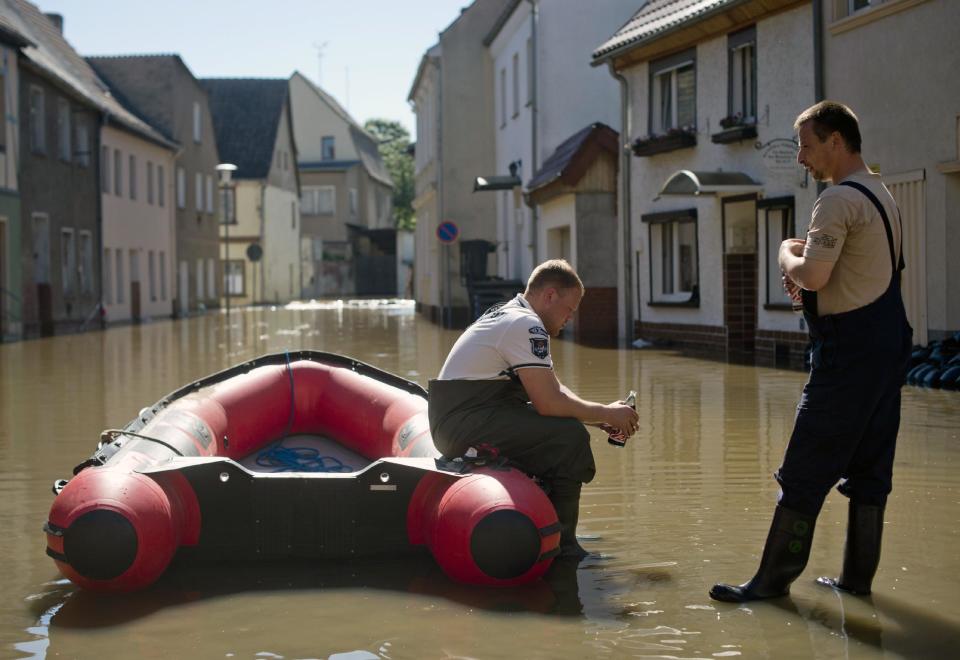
x: 187, y: 479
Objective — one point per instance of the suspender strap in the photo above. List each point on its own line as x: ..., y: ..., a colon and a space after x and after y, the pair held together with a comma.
x: 897, y: 265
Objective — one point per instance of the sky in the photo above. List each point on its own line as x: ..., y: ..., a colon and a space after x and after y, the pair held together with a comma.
x: 366, y: 52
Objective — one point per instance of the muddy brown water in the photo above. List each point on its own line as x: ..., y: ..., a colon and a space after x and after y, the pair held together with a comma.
x: 686, y: 503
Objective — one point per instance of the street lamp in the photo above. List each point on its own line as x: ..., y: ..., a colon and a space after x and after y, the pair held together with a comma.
x: 227, y: 190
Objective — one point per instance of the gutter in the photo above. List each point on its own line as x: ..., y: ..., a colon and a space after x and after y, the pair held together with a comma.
x: 625, y: 293
x: 534, y: 102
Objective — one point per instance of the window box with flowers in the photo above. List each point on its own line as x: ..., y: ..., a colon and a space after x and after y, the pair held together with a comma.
x: 673, y: 139
x: 735, y: 128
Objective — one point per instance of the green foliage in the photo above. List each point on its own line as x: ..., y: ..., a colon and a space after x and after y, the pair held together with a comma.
x: 393, y: 141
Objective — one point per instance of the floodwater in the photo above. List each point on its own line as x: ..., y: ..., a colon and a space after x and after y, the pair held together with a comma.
x: 686, y: 503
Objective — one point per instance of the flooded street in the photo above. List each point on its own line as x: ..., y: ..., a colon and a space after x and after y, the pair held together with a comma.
x: 685, y: 504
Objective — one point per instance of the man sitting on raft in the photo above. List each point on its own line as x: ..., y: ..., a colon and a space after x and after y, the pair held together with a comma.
x: 497, y: 391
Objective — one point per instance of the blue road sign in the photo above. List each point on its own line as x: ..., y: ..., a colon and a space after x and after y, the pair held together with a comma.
x: 447, y: 232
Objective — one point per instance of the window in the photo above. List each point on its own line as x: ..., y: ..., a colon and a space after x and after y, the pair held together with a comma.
x: 149, y: 182
x: 516, y: 84
x: 742, y: 80
x: 133, y: 176
x: 38, y: 117
x: 211, y: 280
x: 320, y: 200
x: 85, y: 271
x: 286, y: 160
x: 198, y: 191
x: 82, y: 154
x: 64, y: 148
x: 503, y: 98
x: 117, y: 173
x: 776, y: 214
x: 68, y: 261
x: 233, y: 278
x: 293, y: 215
x: 151, y: 276
x: 673, y: 93
x: 530, y: 72
x: 209, y: 193
x: 199, y: 278
x: 162, y: 258
x: 327, y: 150
x: 119, y: 260
x: 674, y: 265
x: 3, y: 107
x: 161, y: 186
x: 105, y: 169
x: 352, y: 194
x: 107, y: 276
x: 181, y: 188
x: 197, y: 123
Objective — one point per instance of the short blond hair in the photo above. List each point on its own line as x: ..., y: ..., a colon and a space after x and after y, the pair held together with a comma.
x: 556, y: 273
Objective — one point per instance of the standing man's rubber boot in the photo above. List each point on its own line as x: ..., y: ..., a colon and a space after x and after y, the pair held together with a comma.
x: 861, y: 553
x: 785, y: 556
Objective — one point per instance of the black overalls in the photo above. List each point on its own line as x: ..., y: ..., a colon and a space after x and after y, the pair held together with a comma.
x: 496, y: 414
x: 849, y: 413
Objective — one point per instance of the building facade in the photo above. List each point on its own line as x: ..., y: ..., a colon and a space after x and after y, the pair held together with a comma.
x: 712, y: 89
x: 261, y: 243
x: 163, y: 91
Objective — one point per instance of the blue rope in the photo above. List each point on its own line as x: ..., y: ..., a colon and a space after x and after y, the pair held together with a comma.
x: 299, y: 459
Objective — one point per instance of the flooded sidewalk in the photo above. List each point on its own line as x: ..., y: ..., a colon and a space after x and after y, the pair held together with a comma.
x: 686, y: 503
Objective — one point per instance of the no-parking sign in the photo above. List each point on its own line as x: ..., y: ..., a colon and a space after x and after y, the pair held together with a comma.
x: 447, y: 232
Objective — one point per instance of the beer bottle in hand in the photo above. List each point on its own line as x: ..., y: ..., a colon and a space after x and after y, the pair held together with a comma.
x: 619, y: 438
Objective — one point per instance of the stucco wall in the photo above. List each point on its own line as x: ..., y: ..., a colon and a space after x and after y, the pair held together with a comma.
x: 784, y: 88
x: 314, y: 119
x: 908, y: 101
x: 139, y: 225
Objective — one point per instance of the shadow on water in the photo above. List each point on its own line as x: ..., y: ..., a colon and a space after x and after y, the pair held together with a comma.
x: 557, y: 594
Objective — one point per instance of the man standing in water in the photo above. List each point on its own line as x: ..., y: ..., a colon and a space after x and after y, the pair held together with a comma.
x: 847, y: 273
x: 497, y: 391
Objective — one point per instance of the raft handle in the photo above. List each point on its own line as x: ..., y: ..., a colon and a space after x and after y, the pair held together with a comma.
x: 53, y: 530
x: 59, y: 485
x: 550, y: 529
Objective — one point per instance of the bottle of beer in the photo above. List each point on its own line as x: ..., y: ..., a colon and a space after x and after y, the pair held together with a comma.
x: 619, y: 439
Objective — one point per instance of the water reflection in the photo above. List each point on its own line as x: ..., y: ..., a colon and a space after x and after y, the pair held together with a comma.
x: 685, y: 504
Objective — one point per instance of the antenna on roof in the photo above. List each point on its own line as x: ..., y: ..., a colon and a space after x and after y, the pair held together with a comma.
x: 320, y: 48
x: 346, y: 74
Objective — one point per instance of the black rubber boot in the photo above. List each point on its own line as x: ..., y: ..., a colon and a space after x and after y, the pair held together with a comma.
x: 861, y: 553
x: 565, y: 496
x: 784, y: 558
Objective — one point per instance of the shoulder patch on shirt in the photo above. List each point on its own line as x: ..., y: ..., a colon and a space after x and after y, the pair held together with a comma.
x: 539, y: 347
x: 537, y: 330
x: 824, y: 241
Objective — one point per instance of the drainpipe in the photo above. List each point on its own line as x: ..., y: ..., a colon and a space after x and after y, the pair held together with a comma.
x: 626, y: 234
x: 534, y: 66
x: 438, y: 168
x: 818, y: 63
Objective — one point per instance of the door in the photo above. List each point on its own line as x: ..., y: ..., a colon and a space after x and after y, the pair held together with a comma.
x: 183, y: 288
x: 41, y: 272
x: 908, y: 190
x: 740, y: 272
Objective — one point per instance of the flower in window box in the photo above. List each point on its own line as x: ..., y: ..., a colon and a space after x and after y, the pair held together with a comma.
x: 733, y: 120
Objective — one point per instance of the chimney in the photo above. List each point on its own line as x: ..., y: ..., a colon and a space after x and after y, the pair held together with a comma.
x: 57, y: 20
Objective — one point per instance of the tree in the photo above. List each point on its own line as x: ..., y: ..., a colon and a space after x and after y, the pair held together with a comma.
x: 393, y: 142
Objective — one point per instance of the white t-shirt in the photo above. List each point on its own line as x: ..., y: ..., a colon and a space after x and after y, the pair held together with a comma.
x: 501, y: 341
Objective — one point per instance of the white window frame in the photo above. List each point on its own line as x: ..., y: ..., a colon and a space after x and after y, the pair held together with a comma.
x: 181, y: 188
x: 117, y: 173
x: 197, y: 123
x: 82, y: 154
x: 354, y: 197
x: 121, y: 285
x: 150, y: 182
x: 199, y: 278
x: 108, y: 276
x: 211, y: 279
x: 209, y: 193
x: 85, y: 258
x: 38, y: 120
x: 162, y: 258
x: 152, y: 276
x: 516, y: 84
x: 671, y: 68
x: 665, y: 276
x: 328, y: 147
x: 64, y: 146
x: 503, y: 97
x: 161, y: 187
x: 782, y: 212
x: 742, y: 59
x: 198, y: 191
x: 68, y: 260
x: 105, y: 169
x: 132, y: 165
x: 234, y: 278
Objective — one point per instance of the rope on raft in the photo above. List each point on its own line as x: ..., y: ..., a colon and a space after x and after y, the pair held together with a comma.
x: 299, y: 459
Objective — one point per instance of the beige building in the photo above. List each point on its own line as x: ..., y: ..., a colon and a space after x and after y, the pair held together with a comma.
x: 348, y: 243
x: 908, y: 102
x: 451, y: 95
x: 139, y: 239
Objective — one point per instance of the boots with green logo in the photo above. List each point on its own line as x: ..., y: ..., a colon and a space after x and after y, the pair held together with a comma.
x: 784, y: 558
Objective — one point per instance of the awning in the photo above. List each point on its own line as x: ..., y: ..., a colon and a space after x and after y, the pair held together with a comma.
x: 484, y: 183
x: 687, y: 182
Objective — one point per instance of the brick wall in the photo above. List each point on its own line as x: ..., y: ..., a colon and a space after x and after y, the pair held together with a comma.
x: 779, y: 346
x: 596, y: 322
x: 740, y: 301
x: 702, y: 338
